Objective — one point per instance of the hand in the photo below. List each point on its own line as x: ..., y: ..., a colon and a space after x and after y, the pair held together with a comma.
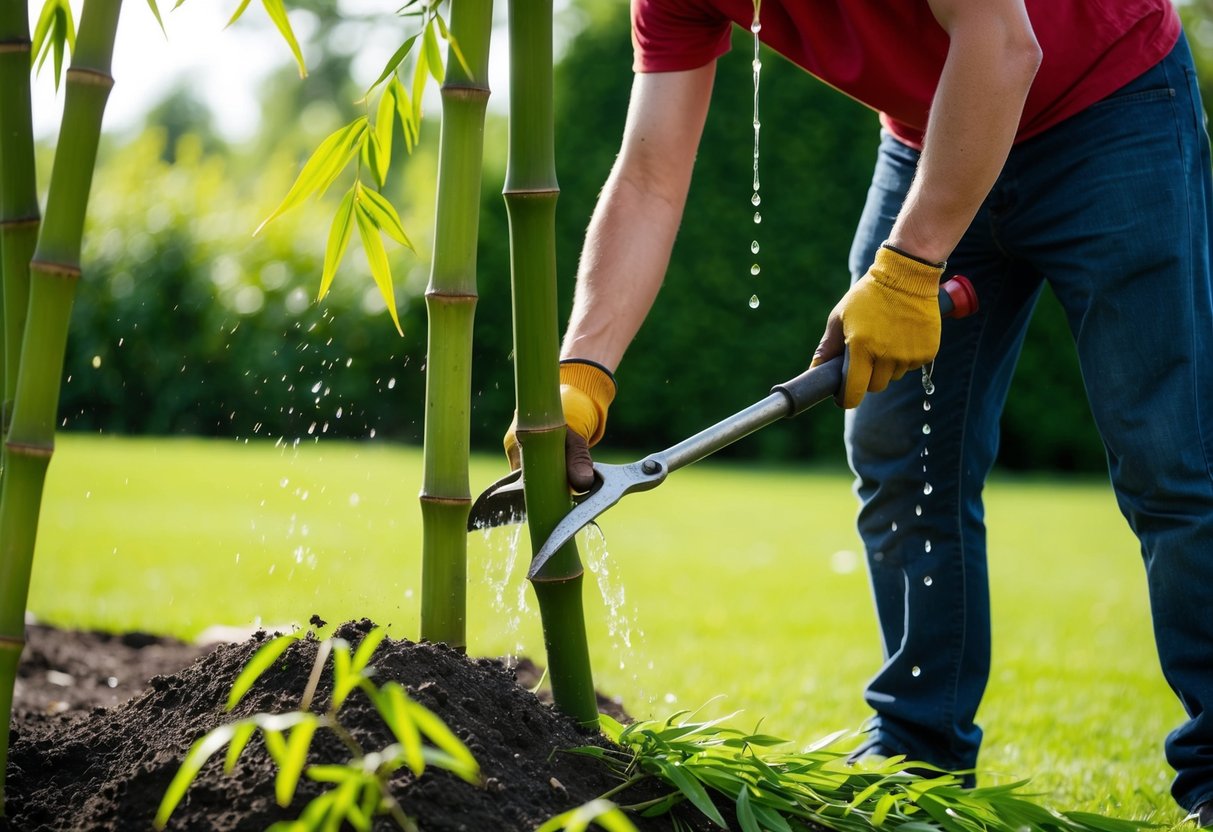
x: 888, y: 323
x: 586, y: 391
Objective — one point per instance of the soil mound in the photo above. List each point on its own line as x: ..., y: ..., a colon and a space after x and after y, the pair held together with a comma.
x: 101, y: 724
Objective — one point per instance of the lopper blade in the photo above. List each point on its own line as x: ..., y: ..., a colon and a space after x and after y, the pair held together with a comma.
x: 501, y: 504
x: 611, y: 484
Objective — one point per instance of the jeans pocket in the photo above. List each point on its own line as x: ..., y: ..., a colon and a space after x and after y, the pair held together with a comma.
x: 1135, y: 97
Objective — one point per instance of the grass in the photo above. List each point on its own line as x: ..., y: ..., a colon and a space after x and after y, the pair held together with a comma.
x: 726, y: 581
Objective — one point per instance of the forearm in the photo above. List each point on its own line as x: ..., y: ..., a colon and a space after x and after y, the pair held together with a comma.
x: 975, y: 114
x: 624, y: 259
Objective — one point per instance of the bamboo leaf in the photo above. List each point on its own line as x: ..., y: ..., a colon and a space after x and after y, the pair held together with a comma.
x: 745, y: 812
x: 454, y: 44
x: 339, y: 240
x: 275, y: 743
x: 600, y: 811
x: 294, y: 757
x: 344, y: 679
x: 433, y: 55
x: 201, y: 751
x: 437, y: 732
x: 390, y: 703
x: 393, y: 62
x: 693, y: 790
x: 883, y: 806
x: 376, y: 257
x: 375, y: 159
x: 366, y: 648
x: 770, y: 818
x: 156, y: 13
x: 277, y: 13
x: 404, y: 111
x: 324, y: 165
x: 385, y: 120
x: 265, y: 656
x: 236, y: 14
x: 420, y: 72
x: 385, y: 216
x: 240, y: 737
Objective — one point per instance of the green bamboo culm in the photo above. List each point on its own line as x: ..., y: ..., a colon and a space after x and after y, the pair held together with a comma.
x: 19, y: 211
x: 530, y: 197
x: 450, y: 302
x: 54, y: 272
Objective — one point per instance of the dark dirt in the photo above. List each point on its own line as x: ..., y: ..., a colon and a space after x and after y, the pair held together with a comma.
x: 102, y: 722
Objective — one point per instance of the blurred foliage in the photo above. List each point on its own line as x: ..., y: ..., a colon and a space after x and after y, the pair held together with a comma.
x: 198, y: 328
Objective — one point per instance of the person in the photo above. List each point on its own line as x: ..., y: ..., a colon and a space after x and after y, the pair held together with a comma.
x: 1023, y: 142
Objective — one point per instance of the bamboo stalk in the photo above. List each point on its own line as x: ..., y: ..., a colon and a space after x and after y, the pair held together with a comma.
x: 450, y: 302
x: 19, y: 212
x: 54, y: 273
x: 530, y: 197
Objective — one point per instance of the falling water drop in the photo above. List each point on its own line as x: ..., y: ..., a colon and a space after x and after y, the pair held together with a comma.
x: 927, y: 581
x: 926, y: 405
x: 754, y: 247
x: 894, y: 526
x: 756, y: 26
x: 926, y: 428
x: 755, y: 269
x: 757, y: 218
x: 756, y: 200
x: 753, y: 301
x: 927, y: 488
x: 926, y: 547
x: 918, y: 510
x: 915, y: 671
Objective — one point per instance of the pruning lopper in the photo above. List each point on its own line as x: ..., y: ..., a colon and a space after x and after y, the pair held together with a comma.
x: 503, y: 503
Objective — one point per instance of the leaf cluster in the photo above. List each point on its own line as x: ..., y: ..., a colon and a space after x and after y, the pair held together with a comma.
x: 710, y: 766
x: 359, y: 787
x: 368, y: 145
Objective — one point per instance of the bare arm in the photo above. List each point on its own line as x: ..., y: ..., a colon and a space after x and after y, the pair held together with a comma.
x: 991, y: 62
x: 630, y: 237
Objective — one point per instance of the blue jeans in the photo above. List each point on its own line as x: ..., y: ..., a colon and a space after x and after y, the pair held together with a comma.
x: 1112, y: 208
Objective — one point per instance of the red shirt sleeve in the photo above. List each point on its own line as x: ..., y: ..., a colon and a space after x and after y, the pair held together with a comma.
x: 675, y: 35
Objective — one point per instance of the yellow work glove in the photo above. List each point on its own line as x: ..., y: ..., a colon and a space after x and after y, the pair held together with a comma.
x: 586, y: 391
x: 888, y: 323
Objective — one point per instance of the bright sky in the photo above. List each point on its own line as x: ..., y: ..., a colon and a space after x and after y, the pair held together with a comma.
x: 224, y: 65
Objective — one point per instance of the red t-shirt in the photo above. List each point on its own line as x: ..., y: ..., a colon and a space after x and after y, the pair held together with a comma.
x: 889, y: 55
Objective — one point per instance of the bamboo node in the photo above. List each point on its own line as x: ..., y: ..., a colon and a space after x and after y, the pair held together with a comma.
x: 559, y: 579
x: 8, y: 47
x: 535, y: 430
x: 442, y: 294
x: 445, y: 501
x: 530, y: 193
x: 29, y: 449
x: 92, y: 77
x: 64, y: 270
x: 15, y: 223
x: 12, y: 641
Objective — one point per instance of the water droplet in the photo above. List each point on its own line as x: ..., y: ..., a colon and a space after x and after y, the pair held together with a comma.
x: 926, y: 428
x: 755, y: 269
x: 927, y: 581
x: 757, y: 218
x: 754, y: 247
x: 926, y: 547
x: 918, y: 510
x: 96, y: 361
x: 756, y: 199
x: 928, y: 387
x: 757, y: 64
x: 894, y: 526
x: 755, y: 27
x: 753, y: 301
x: 915, y: 671
x: 926, y: 405
x: 927, y: 488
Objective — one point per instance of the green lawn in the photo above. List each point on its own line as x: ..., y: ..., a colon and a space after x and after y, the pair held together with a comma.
x: 726, y: 582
